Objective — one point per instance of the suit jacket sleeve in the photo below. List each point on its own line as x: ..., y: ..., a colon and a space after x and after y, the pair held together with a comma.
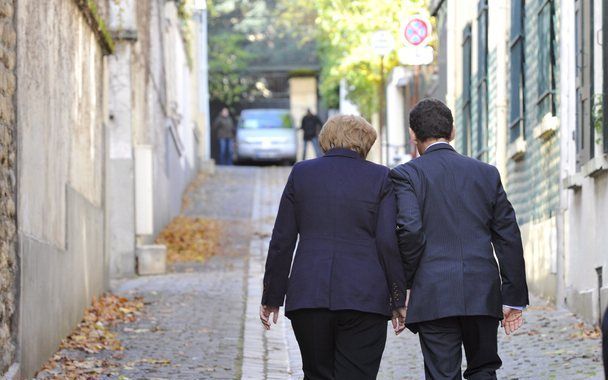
x: 386, y: 242
x: 410, y: 234
x: 280, y: 251
x: 506, y: 239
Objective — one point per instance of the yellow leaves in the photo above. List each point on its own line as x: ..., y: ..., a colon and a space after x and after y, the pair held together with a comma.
x: 156, y: 361
x: 93, y: 335
x: 190, y: 239
x: 583, y: 331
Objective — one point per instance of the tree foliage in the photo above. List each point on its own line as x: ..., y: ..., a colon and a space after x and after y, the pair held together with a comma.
x: 228, y: 57
x: 343, y: 30
x: 245, y: 43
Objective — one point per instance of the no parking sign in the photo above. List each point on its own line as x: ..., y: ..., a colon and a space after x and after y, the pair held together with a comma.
x: 416, y: 34
x: 417, y: 31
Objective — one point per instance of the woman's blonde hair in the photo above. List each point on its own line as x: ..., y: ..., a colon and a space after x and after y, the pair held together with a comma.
x: 348, y: 132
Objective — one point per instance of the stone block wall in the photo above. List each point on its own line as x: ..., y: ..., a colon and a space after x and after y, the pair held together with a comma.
x: 8, y: 223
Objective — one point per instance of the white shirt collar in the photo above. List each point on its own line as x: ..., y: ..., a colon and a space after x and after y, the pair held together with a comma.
x: 435, y: 143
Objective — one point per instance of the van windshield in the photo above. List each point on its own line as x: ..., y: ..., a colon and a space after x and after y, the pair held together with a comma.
x: 263, y: 121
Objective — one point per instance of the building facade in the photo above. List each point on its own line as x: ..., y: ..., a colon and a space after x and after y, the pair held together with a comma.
x: 524, y: 80
x: 584, y: 158
x: 158, y: 132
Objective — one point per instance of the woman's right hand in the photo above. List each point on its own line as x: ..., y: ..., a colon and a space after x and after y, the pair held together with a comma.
x: 265, y: 312
x: 398, y: 320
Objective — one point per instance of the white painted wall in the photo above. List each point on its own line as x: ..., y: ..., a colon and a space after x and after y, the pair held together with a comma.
x: 155, y: 109
x: 395, y: 116
x: 586, y: 209
x: 346, y: 106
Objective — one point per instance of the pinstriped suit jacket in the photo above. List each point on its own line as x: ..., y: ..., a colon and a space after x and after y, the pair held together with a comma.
x: 453, y: 214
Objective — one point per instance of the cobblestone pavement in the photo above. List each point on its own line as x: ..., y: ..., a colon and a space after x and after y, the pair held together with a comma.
x: 201, y: 322
x: 550, y: 345
x: 193, y: 323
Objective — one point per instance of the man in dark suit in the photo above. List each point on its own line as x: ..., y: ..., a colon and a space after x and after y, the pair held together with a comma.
x: 453, y: 215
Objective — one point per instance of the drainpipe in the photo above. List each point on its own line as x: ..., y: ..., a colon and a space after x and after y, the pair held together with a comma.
x: 567, y: 112
x: 600, y: 284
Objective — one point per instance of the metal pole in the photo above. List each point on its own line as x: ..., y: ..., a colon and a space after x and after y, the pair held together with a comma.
x: 416, y: 100
x: 381, y: 115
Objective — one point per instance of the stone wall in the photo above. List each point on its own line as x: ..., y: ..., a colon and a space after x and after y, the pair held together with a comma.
x: 8, y: 260
x: 61, y: 106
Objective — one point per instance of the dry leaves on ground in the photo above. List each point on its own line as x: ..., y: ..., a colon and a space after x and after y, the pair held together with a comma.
x: 92, y: 336
x: 585, y: 332
x: 190, y: 239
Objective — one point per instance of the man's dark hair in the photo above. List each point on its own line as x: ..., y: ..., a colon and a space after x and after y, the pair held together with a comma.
x: 430, y: 118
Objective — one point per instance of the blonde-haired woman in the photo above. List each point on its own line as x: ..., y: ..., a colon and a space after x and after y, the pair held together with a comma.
x: 347, y: 279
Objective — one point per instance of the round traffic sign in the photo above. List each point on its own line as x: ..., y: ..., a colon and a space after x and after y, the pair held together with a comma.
x: 416, y: 31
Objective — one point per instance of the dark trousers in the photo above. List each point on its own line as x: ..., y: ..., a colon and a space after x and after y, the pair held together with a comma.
x: 339, y: 345
x: 225, y: 151
x: 315, y: 144
x: 441, y: 341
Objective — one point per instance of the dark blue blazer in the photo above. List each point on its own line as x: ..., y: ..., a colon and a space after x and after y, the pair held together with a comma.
x: 453, y: 214
x: 342, y: 208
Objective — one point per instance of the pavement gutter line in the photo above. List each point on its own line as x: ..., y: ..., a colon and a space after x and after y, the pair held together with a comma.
x: 253, y: 354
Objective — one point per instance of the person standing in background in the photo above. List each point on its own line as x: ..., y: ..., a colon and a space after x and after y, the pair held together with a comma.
x: 311, y: 125
x: 224, y: 127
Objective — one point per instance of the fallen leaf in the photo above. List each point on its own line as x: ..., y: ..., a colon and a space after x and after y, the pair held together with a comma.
x: 190, y: 239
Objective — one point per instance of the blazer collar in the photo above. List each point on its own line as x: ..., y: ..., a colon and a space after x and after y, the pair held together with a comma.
x: 437, y: 147
x: 341, y: 152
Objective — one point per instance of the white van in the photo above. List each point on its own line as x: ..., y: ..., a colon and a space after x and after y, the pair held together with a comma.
x: 266, y: 135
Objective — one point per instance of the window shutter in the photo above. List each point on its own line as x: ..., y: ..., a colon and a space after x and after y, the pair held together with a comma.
x: 546, y: 60
x: 482, y: 77
x: 584, y: 81
x: 605, y: 97
x: 516, y: 74
x: 466, y: 89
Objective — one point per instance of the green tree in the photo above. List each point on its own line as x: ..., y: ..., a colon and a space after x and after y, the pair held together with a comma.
x: 343, y: 30
x: 228, y: 57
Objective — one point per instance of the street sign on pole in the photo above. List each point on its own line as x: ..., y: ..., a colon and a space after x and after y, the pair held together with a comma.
x: 382, y: 42
x: 416, y: 55
x: 416, y: 34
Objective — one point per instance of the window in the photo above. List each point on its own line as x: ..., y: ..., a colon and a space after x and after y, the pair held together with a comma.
x: 516, y: 73
x: 605, y: 102
x: 440, y: 14
x: 482, y: 78
x: 584, y: 81
x: 466, y: 90
x: 546, y: 59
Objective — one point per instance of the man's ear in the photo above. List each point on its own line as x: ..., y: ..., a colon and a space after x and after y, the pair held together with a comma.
x: 413, y: 135
x: 453, y: 134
